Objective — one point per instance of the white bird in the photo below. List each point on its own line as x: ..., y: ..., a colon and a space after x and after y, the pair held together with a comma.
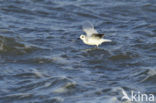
x: 92, y: 37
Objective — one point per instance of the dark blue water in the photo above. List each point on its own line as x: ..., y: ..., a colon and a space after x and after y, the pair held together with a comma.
x: 42, y: 61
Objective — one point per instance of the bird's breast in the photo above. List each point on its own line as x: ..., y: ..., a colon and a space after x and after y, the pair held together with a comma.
x: 94, y: 41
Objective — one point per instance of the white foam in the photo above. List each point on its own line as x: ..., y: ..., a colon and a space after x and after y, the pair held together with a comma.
x: 37, y: 73
x: 150, y: 73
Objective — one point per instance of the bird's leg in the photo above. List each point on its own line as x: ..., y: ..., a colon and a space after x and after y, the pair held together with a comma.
x: 96, y: 46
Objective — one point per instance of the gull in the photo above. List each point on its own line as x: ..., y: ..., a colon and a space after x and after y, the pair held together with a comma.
x: 92, y: 37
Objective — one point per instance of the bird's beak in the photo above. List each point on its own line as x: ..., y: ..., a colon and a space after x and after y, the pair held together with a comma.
x: 78, y: 38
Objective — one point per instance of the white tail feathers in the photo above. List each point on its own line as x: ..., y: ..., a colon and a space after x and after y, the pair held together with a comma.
x: 107, y: 40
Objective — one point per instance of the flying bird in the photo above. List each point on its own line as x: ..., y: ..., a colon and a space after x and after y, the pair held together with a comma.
x: 92, y: 37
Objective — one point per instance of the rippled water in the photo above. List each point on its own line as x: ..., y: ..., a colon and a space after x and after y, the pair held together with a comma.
x: 41, y: 60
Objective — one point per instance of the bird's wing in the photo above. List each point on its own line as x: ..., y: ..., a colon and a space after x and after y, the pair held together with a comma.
x: 88, y: 28
x: 98, y: 35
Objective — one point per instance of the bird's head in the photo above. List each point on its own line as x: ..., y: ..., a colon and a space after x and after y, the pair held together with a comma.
x: 82, y: 37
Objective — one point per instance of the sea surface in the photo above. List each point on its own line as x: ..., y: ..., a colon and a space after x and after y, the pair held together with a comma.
x: 42, y: 61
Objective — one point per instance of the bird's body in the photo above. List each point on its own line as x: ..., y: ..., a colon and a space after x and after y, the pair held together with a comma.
x: 94, y: 40
x: 92, y: 37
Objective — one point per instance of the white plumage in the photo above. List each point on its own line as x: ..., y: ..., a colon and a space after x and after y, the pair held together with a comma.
x: 92, y: 37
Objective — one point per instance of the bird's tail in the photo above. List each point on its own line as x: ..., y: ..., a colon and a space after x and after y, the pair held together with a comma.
x: 107, y: 40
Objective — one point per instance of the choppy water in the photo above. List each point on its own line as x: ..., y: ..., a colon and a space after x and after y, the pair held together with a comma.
x: 41, y: 60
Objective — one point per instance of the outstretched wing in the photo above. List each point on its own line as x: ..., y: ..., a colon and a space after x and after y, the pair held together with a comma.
x: 88, y: 28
